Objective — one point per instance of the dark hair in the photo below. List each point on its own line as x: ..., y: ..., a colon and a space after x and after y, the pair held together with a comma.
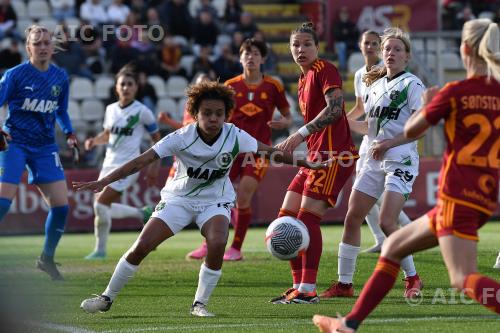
x: 196, y: 93
x: 307, y: 28
x: 249, y: 42
x: 370, y: 32
x: 129, y: 70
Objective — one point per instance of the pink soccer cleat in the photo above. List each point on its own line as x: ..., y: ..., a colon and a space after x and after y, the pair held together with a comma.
x: 232, y: 254
x: 198, y: 253
x: 413, y: 286
x: 331, y: 325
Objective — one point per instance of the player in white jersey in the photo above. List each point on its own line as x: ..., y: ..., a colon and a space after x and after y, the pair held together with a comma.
x: 391, y: 165
x: 125, y: 123
x: 200, y: 191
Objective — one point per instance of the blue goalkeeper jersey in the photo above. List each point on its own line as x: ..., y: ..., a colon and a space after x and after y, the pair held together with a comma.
x: 36, y: 100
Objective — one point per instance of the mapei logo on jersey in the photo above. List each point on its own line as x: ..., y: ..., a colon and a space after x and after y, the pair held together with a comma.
x: 125, y: 131
x: 39, y: 105
x: 206, y: 174
x: 386, y: 112
x: 55, y: 91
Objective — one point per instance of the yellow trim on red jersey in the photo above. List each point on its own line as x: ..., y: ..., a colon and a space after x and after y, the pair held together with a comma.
x: 450, y: 125
x: 234, y: 80
x: 465, y: 236
x: 446, y: 169
x: 465, y: 203
x: 274, y: 82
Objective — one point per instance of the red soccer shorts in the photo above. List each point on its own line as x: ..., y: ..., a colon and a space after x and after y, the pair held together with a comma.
x: 249, y: 165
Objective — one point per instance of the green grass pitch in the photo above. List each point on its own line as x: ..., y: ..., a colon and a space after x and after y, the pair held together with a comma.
x: 158, y: 298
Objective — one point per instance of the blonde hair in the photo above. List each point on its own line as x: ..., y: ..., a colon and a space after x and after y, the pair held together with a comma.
x: 34, y: 29
x: 377, y: 72
x: 483, y: 37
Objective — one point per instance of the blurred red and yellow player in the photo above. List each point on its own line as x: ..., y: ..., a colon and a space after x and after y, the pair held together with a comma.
x: 257, y: 96
x: 468, y: 183
x: 327, y: 134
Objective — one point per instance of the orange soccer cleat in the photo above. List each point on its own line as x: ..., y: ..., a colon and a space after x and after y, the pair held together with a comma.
x: 338, y: 289
x: 331, y: 325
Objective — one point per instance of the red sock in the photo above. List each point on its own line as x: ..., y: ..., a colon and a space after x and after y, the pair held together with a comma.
x: 375, y: 289
x: 295, y: 264
x: 242, y: 221
x: 310, y: 259
x: 484, y: 290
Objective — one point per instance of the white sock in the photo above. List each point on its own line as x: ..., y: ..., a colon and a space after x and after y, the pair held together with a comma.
x: 124, y: 271
x: 102, y: 226
x: 372, y: 219
x: 296, y: 286
x: 408, y: 266
x: 403, y: 219
x: 120, y: 211
x: 307, y: 287
x: 207, y: 281
x: 347, y: 262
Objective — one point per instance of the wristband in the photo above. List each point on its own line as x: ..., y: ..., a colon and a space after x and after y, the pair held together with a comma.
x: 304, y: 131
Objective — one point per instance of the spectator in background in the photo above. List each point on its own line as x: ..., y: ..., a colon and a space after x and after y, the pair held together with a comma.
x: 94, y: 12
x: 206, y: 6
x: 271, y: 60
x: 145, y: 52
x: 205, y: 30
x: 141, y: 8
x: 152, y: 20
x: 463, y: 16
x: 246, y: 26
x: 146, y: 93
x: 232, y: 13
x: 236, y: 41
x: 73, y: 60
x: 8, y: 20
x: 91, y: 43
x: 225, y: 65
x: 170, y: 59
x: 345, y: 35
x: 62, y: 9
x: 203, y: 64
x: 175, y: 15
x: 121, y: 51
x: 117, y: 12
x: 10, y: 56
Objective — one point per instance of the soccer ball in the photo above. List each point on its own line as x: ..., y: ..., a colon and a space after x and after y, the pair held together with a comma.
x: 287, y: 238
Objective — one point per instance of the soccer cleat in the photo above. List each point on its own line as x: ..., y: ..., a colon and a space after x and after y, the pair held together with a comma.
x: 302, y: 298
x: 147, y: 211
x: 50, y: 267
x: 374, y: 249
x: 198, y: 253
x: 200, y: 310
x: 338, y: 289
x: 281, y: 299
x: 497, y: 264
x: 331, y: 325
x: 96, y: 255
x: 232, y: 254
x: 100, y: 303
x: 413, y: 286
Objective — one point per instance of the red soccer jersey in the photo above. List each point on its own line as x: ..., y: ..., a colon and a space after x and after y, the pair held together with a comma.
x: 335, y: 139
x: 471, y: 111
x: 255, y: 105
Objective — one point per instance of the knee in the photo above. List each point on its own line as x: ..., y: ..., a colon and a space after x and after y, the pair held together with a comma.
x: 138, y: 252
x: 353, y: 221
x: 101, y: 211
x: 390, y: 248
x: 217, y: 241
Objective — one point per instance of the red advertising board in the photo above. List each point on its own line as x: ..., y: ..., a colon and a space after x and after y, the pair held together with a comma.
x: 410, y: 15
x: 28, y: 211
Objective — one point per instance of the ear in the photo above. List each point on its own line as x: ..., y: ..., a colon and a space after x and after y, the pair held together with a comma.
x: 467, y: 49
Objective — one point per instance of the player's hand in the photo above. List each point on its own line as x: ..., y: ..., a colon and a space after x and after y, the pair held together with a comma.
x: 321, y: 164
x: 71, y: 140
x: 4, y: 138
x: 279, y: 124
x: 378, y: 149
x: 292, y: 142
x: 89, y: 143
x: 94, y: 186
x: 429, y: 94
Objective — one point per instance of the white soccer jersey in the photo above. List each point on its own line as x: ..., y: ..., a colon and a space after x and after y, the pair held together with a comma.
x: 127, y: 127
x: 202, y: 174
x: 389, y: 106
x: 360, y: 90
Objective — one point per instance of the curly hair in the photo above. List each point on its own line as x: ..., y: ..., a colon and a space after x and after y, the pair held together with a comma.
x: 208, y: 90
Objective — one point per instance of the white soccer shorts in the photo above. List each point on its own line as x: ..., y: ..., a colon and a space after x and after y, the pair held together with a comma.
x: 376, y: 177
x: 121, y: 184
x: 178, y: 216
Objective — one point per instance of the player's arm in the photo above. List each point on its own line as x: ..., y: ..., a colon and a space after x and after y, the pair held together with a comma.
x: 164, y: 118
x: 357, y: 110
x: 100, y: 139
x: 280, y: 156
x: 62, y: 116
x: 417, y: 124
x: 284, y: 122
x: 153, y: 168
x: 123, y: 171
x: 334, y: 98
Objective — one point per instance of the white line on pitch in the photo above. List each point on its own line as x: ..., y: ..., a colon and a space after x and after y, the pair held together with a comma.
x: 60, y: 328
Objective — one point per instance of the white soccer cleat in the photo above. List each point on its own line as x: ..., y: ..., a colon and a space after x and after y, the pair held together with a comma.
x: 200, y: 310
x: 497, y: 264
x: 100, y: 303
